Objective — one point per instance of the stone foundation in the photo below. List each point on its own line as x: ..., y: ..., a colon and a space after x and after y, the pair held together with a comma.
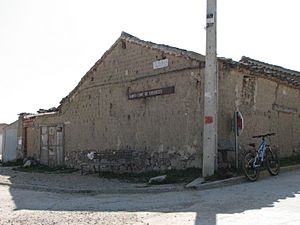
x: 137, y: 161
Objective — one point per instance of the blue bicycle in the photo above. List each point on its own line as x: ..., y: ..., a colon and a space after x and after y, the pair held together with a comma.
x: 254, y: 159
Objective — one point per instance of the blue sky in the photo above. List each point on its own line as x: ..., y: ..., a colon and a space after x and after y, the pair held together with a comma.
x: 46, y: 46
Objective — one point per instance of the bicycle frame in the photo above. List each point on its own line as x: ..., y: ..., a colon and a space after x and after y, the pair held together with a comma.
x: 253, y: 160
x: 260, y: 153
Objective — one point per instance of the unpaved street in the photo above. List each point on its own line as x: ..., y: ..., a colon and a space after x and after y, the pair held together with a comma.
x: 270, y: 201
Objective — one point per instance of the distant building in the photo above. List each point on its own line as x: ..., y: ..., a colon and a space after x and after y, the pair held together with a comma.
x: 147, y: 99
x: 2, y: 125
x: 10, y: 151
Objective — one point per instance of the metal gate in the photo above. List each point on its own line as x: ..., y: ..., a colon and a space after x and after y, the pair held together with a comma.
x: 52, y: 151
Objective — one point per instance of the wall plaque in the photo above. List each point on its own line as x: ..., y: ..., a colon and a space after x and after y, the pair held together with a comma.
x: 160, y: 63
x: 152, y: 93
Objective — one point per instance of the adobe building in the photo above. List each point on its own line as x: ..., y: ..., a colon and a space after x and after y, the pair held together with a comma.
x: 147, y: 99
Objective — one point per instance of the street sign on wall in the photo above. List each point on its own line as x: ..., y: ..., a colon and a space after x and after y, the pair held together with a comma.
x: 151, y: 93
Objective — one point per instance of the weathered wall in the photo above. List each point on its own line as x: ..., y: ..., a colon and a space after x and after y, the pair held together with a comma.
x: 32, y: 143
x: 286, y: 112
x: 163, y: 131
x: 266, y: 105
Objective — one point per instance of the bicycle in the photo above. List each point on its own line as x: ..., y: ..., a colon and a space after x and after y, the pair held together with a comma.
x: 255, y: 159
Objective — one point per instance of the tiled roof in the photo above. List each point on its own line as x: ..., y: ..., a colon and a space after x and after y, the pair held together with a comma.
x: 165, y: 48
x: 129, y: 38
x: 290, y: 76
x: 268, y: 70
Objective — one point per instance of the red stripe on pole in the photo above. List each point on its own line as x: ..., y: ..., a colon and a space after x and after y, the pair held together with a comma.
x: 208, y: 119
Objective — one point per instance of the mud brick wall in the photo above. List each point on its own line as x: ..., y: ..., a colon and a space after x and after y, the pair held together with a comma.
x: 267, y: 105
x: 164, y: 131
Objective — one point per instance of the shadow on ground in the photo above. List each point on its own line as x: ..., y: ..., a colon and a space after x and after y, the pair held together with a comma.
x: 206, y: 204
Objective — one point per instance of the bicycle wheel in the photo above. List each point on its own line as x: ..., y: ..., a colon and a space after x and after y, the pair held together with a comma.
x: 272, y: 161
x: 251, y: 172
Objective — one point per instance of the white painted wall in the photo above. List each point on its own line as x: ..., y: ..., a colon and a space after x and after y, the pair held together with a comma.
x: 1, y: 138
x: 10, y: 141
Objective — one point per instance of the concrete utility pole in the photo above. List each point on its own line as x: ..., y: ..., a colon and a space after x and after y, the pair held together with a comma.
x: 210, y: 132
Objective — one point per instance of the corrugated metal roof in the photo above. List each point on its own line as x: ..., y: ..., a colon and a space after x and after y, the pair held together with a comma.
x: 32, y: 116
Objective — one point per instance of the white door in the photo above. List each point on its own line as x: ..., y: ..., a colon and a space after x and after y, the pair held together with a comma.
x: 9, y: 152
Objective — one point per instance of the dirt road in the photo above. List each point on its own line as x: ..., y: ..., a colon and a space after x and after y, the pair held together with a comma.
x: 273, y: 200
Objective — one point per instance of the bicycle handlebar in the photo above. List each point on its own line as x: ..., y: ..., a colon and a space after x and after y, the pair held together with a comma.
x: 264, y: 135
